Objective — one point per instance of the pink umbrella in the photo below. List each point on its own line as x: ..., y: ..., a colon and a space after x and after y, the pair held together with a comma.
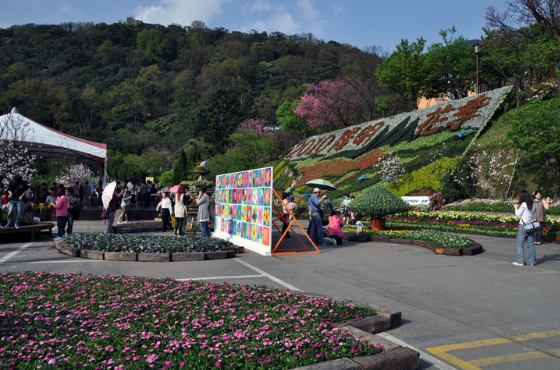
x: 108, y: 194
x: 174, y: 189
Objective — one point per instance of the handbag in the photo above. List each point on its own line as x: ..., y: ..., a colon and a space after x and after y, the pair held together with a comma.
x: 105, y: 214
x: 531, y: 226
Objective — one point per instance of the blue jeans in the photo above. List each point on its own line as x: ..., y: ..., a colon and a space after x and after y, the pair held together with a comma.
x: 317, y: 228
x: 70, y: 223
x: 204, y: 229
x: 12, y: 207
x: 523, y: 235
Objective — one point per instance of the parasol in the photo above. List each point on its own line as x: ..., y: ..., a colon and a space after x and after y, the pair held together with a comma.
x: 321, y: 184
x: 174, y: 189
x: 108, y: 194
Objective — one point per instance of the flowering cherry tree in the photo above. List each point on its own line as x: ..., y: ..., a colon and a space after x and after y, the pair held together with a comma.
x: 328, y: 104
x: 390, y: 168
x: 16, y: 158
x: 72, y: 173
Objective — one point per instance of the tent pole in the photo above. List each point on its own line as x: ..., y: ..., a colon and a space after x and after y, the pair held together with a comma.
x: 105, y: 170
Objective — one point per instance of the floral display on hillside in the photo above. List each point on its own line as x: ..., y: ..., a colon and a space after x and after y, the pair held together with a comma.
x: 467, y: 113
x: 409, y: 153
x: 67, y: 321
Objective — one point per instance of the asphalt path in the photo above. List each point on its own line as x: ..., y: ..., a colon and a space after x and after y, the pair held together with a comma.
x: 469, y: 312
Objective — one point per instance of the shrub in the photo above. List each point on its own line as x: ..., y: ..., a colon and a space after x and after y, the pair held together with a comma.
x: 377, y: 202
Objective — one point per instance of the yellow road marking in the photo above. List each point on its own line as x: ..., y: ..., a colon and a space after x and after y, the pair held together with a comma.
x: 541, y: 334
x: 475, y: 344
x: 442, y: 351
x: 508, y: 358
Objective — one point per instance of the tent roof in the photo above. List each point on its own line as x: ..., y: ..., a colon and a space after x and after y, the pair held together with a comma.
x: 47, y: 142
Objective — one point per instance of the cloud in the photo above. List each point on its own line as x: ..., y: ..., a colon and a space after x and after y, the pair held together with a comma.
x: 67, y: 12
x: 182, y: 12
x: 258, y: 6
x: 338, y: 10
x: 272, y: 17
x: 311, y: 16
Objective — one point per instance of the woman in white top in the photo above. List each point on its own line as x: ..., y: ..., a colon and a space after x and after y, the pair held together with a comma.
x: 166, y: 210
x: 180, y: 211
x: 526, y: 209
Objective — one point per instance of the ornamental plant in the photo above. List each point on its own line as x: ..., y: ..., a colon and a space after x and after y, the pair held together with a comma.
x: 436, y: 201
x: 74, y: 172
x: 377, y: 202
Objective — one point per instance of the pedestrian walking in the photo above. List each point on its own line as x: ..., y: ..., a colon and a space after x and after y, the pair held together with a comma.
x: 166, y: 207
x: 61, y: 207
x: 73, y: 209
x: 525, y: 209
x: 180, y: 211
x: 125, y: 205
x: 111, y: 209
x: 316, y: 217
x: 203, y: 216
x: 542, y: 204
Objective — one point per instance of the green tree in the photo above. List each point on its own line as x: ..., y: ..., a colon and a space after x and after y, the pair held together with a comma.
x: 451, y: 66
x: 535, y: 129
x: 180, y: 170
x: 404, y: 72
x: 290, y: 121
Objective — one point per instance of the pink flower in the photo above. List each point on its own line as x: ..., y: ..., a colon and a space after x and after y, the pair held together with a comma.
x: 151, y: 359
x: 182, y: 364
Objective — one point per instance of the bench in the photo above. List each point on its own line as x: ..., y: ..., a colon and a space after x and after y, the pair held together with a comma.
x: 31, y: 230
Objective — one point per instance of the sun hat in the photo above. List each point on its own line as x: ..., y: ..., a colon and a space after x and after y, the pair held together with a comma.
x: 316, y: 190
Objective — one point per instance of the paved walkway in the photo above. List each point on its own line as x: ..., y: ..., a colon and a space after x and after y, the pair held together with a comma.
x: 478, y: 312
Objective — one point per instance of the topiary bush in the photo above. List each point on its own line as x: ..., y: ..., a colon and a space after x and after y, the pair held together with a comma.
x: 377, y: 202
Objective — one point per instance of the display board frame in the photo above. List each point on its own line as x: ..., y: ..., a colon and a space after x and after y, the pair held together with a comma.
x: 243, y: 209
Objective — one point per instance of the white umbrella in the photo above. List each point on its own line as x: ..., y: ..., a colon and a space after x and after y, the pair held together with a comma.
x: 108, y: 194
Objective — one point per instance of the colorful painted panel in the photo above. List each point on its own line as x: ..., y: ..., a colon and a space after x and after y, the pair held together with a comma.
x: 244, y: 207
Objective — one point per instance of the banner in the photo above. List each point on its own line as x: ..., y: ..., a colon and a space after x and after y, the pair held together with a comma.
x: 244, y: 209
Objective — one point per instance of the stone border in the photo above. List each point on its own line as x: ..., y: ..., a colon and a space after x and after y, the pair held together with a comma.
x: 475, y: 248
x: 393, y: 357
x: 70, y: 250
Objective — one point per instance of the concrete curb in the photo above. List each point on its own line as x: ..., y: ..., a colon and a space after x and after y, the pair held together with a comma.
x: 394, y: 356
x: 70, y: 250
x: 475, y: 248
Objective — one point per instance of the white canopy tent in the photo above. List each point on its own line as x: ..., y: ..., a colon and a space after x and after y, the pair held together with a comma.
x: 47, y: 142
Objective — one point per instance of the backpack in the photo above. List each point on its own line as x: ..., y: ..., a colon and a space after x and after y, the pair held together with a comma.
x: 76, y: 209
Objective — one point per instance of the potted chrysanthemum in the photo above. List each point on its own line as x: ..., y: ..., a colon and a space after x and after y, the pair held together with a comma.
x: 377, y: 202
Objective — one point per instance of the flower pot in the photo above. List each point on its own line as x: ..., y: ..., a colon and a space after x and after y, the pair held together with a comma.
x: 377, y: 224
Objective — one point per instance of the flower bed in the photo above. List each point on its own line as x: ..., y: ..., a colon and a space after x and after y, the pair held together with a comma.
x: 494, y: 225
x: 493, y: 205
x: 443, y: 240
x: 74, y: 321
x: 145, y: 244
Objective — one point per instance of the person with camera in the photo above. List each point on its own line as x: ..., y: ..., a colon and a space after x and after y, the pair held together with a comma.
x: 525, y: 209
x: 17, y: 189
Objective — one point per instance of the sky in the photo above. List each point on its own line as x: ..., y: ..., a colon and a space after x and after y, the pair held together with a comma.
x: 361, y: 23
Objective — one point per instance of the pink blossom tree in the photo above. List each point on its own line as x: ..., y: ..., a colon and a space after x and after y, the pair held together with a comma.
x: 72, y: 173
x: 328, y: 105
x: 16, y: 158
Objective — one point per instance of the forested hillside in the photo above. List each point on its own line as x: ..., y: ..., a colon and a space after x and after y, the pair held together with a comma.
x: 146, y: 90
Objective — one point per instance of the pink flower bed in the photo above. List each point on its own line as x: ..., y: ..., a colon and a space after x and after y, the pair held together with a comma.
x: 109, y: 322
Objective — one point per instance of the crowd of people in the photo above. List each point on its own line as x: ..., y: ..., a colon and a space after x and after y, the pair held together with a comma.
x: 317, y: 220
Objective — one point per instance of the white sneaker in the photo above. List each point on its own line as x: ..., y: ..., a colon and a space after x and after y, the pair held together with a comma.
x: 333, y: 242
x: 518, y: 264
x: 57, y: 238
